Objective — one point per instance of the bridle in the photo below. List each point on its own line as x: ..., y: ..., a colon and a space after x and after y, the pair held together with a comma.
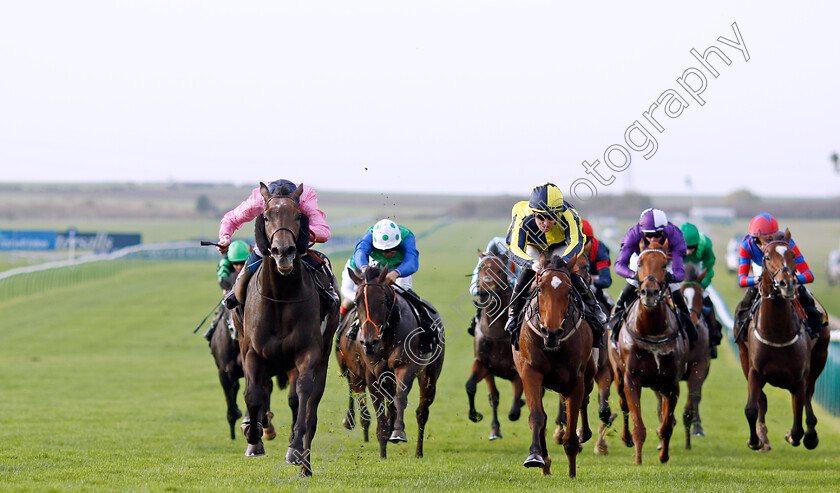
x: 573, y: 311
x: 504, y: 286
x: 282, y: 228
x: 771, y: 278
x: 661, y: 284
x: 380, y: 329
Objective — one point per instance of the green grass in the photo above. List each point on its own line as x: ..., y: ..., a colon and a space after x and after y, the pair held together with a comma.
x: 104, y: 387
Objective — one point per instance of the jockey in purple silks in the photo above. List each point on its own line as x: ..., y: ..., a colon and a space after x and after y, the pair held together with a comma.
x: 653, y: 223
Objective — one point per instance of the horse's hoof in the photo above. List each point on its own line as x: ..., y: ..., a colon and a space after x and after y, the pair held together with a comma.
x: 789, y: 439
x: 534, y: 460
x: 601, y: 449
x: 558, y: 434
x: 347, y: 423
x: 659, y: 446
x: 514, y: 416
x: 294, y: 456
x: 811, y: 440
x: 476, y: 417
x: 698, y: 431
x: 495, y: 435
x: 255, y: 450
x: 398, y: 437
x: 584, y: 434
x: 269, y: 433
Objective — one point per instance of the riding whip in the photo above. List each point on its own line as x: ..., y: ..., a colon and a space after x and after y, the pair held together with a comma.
x: 212, y: 310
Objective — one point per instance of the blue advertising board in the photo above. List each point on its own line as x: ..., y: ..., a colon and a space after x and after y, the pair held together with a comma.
x: 98, y: 242
x: 27, y: 240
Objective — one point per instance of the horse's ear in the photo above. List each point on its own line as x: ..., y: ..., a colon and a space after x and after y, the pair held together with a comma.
x: 787, y: 235
x: 297, y: 193
x: 356, y: 275
x: 642, y: 245
x: 762, y: 237
x: 574, y: 267
x: 480, y: 253
x: 383, y: 273
x: 543, y: 259
x: 666, y: 246
x: 701, y: 276
x: 264, y: 191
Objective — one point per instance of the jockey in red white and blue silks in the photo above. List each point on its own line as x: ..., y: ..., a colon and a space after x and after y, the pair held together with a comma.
x: 653, y: 223
x: 752, y: 253
x: 599, y: 258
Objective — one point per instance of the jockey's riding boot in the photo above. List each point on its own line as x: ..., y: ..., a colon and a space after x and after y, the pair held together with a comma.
x: 236, y: 296
x: 685, y: 318
x: 517, y: 302
x: 815, y: 318
x: 627, y: 296
x: 594, y: 314
x: 474, y: 322
x: 742, y: 313
x: 715, y: 334
x: 209, y: 333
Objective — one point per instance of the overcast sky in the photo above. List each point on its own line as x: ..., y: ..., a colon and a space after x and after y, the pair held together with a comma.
x: 431, y: 96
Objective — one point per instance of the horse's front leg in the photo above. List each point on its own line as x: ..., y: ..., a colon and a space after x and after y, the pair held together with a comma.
x: 516, y: 406
x: 538, y: 455
x: 666, y: 429
x: 404, y: 379
x: 794, y: 436
x: 571, y: 441
x: 605, y: 414
x: 751, y: 410
x: 380, y: 405
x: 493, y: 397
x: 319, y: 380
x: 632, y: 392
x: 255, y: 400
x: 297, y: 453
x: 479, y: 371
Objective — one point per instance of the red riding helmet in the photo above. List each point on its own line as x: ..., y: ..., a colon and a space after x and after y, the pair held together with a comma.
x: 764, y: 224
x: 587, y: 229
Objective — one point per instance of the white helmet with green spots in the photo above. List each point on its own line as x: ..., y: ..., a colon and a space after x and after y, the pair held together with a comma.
x: 386, y: 234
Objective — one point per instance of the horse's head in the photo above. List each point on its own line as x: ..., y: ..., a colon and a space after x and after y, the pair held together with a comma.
x: 778, y: 266
x: 653, y: 263
x: 582, y: 262
x: 693, y: 289
x: 492, y: 279
x: 375, y: 305
x: 557, y: 311
x: 283, y: 225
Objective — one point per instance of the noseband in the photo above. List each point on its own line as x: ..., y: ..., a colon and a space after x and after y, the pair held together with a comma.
x: 572, y: 310
x: 282, y: 228
x: 784, y: 269
x: 662, y: 285
x: 386, y: 323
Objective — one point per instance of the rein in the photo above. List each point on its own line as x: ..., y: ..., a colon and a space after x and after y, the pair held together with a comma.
x: 572, y: 307
x: 659, y: 299
x: 367, y: 310
x: 784, y: 269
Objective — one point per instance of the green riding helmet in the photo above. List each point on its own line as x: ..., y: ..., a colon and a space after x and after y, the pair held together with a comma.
x: 238, y: 251
x: 692, y: 235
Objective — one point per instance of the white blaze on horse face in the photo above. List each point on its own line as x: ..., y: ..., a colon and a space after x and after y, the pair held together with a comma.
x: 781, y: 249
x: 555, y: 282
x: 689, y: 293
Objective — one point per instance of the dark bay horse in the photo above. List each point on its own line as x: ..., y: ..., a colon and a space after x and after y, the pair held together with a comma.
x: 390, y: 338
x: 650, y: 352
x: 350, y: 354
x: 698, y: 359
x: 603, y: 375
x: 283, y: 328
x: 555, y: 352
x: 777, y: 352
x: 493, y: 354
x: 225, y: 351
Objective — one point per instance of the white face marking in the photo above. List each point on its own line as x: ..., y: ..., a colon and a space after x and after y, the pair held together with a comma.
x: 689, y: 293
x: 781, y: 249
x: 555, y: 281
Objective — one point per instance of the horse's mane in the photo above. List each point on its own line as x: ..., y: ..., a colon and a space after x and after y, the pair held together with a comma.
x: 372, y: 273
x: 692, y: 272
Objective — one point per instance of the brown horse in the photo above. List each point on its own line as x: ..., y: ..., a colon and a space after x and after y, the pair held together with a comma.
x: 389, y: 334
x: 493, y: 355
x: 283, y: 328
x: 349, y: 354
x: 650, y: 351
x: 698, y: 359
x: 603, y: 375
x: 555, y: 352
x: 777, y: 352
